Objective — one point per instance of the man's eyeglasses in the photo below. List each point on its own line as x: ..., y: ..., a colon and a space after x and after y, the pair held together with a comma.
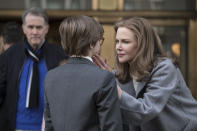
x: 101, y: 41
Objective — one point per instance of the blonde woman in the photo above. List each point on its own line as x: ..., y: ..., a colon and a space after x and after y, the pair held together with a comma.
x: 157, y: 97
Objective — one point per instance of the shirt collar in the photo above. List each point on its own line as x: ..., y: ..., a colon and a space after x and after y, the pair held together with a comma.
x: 86, y: 57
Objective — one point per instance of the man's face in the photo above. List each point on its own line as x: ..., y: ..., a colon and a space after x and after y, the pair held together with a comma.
x: 35, y: 30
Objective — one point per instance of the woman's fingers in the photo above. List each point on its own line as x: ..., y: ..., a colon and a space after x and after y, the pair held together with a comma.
x: 101, y: 63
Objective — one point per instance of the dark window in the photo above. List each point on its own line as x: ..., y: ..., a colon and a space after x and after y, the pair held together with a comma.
x: 159, y: 5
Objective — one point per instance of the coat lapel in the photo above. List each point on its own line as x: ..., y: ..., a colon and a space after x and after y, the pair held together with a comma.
x: 140, y: 86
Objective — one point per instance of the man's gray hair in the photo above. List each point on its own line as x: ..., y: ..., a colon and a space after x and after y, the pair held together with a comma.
x: 37, y: 12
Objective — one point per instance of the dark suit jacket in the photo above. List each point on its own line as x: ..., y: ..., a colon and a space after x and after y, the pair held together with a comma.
x: 81, y: 97
x: 11, y: 65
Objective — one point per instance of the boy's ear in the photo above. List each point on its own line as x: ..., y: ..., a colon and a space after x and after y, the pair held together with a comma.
x: 91, y: 46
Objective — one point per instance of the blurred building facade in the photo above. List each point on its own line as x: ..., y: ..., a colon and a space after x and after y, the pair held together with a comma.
x: 174, y: 20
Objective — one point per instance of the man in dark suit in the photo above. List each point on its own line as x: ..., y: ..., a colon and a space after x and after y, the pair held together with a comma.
x: 22, y: 71
x: 79, y: 95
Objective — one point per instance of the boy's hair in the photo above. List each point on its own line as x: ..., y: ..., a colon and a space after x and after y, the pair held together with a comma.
x: 78, y: 32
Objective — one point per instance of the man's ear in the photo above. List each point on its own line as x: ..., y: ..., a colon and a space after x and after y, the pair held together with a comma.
x: 48, y: 28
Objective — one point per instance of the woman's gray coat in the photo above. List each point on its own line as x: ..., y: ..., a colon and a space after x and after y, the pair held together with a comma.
x: 162, y: 104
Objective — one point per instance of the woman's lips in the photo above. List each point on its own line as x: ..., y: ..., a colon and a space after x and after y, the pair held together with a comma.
x: 120, y: 55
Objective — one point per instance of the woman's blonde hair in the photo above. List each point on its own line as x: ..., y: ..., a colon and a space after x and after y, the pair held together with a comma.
x: 149, y: 48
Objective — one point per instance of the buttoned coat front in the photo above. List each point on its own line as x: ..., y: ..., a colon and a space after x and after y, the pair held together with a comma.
x: 81, y: 97
x: 162, y: 104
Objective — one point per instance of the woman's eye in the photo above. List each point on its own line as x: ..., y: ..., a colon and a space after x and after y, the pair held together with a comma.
x: 126, y: 42
x: 116, y: 42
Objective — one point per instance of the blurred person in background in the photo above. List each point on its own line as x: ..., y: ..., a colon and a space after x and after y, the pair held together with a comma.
x: 12, y: 33
x: 1, y: 45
